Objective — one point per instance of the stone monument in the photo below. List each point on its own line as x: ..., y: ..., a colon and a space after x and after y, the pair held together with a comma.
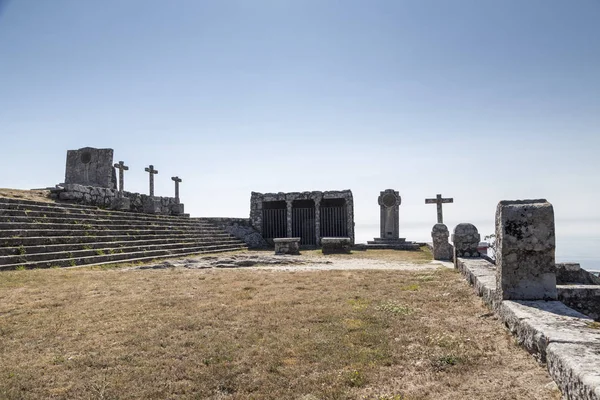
x: 389, y: 203
x: 439, y: 201
x: 89, y: 166
x: 525, y: 245
x: 466, y: 241
x: 442, y: 249
x: 177, y: 208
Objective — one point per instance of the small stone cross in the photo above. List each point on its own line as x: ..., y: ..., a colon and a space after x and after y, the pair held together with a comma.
x: 151, y: 171
x: 121, y: 167
x: 439, y: 200
x: 177, y: 180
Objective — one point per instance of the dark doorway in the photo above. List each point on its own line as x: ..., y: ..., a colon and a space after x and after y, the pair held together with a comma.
x: 334, y: 218
x: 274, y: 219
x: 303, y: 222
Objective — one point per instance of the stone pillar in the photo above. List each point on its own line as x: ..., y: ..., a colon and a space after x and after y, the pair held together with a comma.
x: 525, y: 245
x: 466, y: 240
x: 289, y: 218
x: 442, y: 250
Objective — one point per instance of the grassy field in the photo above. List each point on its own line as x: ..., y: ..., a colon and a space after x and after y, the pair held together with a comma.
x: 255, y: 334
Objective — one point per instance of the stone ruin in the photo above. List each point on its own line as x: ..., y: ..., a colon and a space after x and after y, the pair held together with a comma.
x: 309, y: 216
x: 90, y: 179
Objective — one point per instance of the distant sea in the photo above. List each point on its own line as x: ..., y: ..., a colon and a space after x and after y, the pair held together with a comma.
x: 576, y: 242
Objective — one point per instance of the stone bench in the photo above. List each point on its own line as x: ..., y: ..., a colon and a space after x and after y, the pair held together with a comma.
x: 332, y: 245
x: 287, y: 245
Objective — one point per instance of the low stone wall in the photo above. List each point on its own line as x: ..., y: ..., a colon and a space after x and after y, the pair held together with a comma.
x: 107, y: 198
x: 555, y: 334
x: 241, y: 228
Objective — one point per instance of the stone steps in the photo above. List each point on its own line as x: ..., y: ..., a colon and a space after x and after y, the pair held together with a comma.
x: 52, y: 240
x: 71, y: 245
x: 122, y: 257
x: 69, y: 208
x: 39, y: 235
x: 92, y: 219
x: 98, y: 251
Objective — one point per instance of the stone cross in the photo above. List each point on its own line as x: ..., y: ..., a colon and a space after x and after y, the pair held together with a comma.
x: 177, y: 180
x: 151, y: 171
x: 439, y: 200
x: 121, y: 167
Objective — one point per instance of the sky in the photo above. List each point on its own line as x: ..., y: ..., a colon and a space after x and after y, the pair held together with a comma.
x: 479, y: 100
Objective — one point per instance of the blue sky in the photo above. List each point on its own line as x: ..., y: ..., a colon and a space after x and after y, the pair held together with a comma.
x: 481, y: 100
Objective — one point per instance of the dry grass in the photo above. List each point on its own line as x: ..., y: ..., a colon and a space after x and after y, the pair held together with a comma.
x: 423, y: 255
x: 36, y: 195
x: 255, y: 334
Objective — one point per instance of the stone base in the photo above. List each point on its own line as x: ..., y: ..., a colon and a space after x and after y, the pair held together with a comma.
x: 177, y: 209
x: 152, y: 205
x: 392, y: 244
x: 442, y: 251
x: 336, y: 245
x: 121, y: 203
x: 287, y: 246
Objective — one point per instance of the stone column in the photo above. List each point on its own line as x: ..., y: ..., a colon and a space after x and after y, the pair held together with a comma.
x: 442, y: 250
x: 525, y: 245
x: 466, y: 240
x: 289, y: 217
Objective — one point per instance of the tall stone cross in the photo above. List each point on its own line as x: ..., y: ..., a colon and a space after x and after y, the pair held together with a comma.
x: 151, y: 171
x: 177, y: 180
x: 439, y: 200
x: 121, y: 167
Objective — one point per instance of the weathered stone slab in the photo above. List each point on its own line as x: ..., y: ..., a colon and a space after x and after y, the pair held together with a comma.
x: 287, y: 245
x: 583, y: 298
x: 152, y: 205
x: 336, y: 245
x: 525, y: 242
x: 466, y: 240
x: 90, y: 167
x: 554, y: 333
x: 573, y: 273
x: 442, y: 249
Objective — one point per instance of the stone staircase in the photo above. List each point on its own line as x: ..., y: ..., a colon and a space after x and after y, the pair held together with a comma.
x: 36, y: 234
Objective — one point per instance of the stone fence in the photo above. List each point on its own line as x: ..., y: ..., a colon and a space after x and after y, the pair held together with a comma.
x: 113, y: 199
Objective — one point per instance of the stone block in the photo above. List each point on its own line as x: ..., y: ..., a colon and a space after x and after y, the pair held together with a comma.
x: 466, y: 240
x: 177, y: 209
x: 442, y: 249
x: 120, y: 203
x: 90, y: 167
x: 525, y: 245
x: 336, y: 245
x: 152, y: 205
x: 287, y: 245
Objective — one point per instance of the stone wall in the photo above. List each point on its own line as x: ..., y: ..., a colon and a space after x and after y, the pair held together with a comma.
x: 241, y: 228
x: 257, y: 200
x: 107, y: 198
